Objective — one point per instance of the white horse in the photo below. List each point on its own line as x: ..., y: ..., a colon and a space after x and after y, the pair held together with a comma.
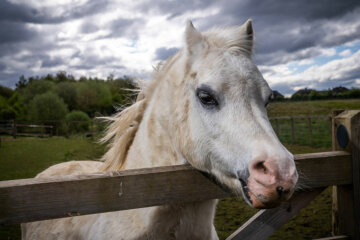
x: 205, y: 106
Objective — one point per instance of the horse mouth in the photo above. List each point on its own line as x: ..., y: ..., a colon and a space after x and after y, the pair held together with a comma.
x: 244, y: 187
x: 245, y: 191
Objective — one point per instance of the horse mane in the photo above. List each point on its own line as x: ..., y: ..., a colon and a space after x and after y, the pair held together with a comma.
x: 125, y: 124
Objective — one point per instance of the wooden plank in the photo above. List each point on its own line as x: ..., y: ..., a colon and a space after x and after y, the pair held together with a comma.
x: 346, y: 209
x: 265, y: 222
x: 34, y: 126
x: 355, y: 154
x: 46, y: 198
x: 39, y: 199
x: 323, y: 169
x: 342, y: 237
x: 33, y: 134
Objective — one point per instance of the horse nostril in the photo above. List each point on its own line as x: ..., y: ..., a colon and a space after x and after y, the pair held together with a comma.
x: 260, y: 166
x: 279, y: 190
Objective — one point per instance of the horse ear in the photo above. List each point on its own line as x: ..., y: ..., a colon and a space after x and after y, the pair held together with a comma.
x: 249, y: 36
x: 244, y: 39
x: 193, y: 38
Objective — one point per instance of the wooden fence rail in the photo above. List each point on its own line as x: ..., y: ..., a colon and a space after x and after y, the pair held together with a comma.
x: 11, y: 126
x: 39, y: 198
x: 12, y: 129
x: 295, y: 131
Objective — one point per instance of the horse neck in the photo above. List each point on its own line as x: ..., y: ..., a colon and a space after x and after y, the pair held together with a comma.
x: 153, y: 144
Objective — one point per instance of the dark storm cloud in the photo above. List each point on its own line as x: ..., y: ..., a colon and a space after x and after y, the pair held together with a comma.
x: 17, y: 13
x: 12, y: 32
x: 164, y: 53
x: 122, y: 27
x: 2, y: 66
x: 47, y: 61
x: 284, y: 31
x: 289, y: 26
x: 23, y: 13
x: 15, y: 20
x: 282, y: 27
x: 174, y: 8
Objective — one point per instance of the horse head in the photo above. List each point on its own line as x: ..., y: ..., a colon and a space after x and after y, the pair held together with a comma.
x: 219, y: 118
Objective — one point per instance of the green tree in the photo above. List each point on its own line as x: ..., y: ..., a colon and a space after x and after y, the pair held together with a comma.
x: 36, y: 87
x: 86, y: 97
x: 6, y: 92
x: 12, y: 108
x: 94, y: 96
x: 21, y: 83
x: 121, y: 90
x: 67, y: 91
x: 47, y: 106
x: 6, y: 111
x: 313, y: 95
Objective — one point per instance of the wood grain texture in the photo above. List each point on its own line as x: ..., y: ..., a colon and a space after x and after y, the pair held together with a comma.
x: 46, y: 198
x: 335, y: 238
x: 355, y: 154
x: 265, y: 222
x: 346, y: 209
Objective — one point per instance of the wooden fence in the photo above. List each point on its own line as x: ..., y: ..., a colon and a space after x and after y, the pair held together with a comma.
x: 50, y: 127
x: 47, y: 198
x: 293, y: 130
x: 12, y: 128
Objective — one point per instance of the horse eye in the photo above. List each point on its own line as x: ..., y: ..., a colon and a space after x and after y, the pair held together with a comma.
x: 206, y: 98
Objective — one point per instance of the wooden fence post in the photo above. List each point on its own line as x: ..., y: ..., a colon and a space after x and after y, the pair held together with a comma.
x: 310, y: 132
x: 42, y: 129
x: 292, y: 131
x: 14, y: 128
x: 346, y: 198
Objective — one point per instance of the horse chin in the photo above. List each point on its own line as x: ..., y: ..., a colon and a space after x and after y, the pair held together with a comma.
x: 245, y: 192
x: 233, y: 185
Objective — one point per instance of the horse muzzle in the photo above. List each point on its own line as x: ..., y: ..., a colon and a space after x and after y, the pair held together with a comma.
x: 267, y: 187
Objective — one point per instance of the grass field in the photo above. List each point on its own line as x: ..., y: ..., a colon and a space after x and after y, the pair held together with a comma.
x: 306, y: 108
x: 25, y: 157
x: 321, y: 127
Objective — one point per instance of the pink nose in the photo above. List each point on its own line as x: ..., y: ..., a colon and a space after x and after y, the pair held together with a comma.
x: 270, y: 182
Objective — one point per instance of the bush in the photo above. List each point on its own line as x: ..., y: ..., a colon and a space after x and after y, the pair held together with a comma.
x: 78, y: 121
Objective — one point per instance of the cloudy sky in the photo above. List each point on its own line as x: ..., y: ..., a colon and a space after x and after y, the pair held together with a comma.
x: 299, y: 43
